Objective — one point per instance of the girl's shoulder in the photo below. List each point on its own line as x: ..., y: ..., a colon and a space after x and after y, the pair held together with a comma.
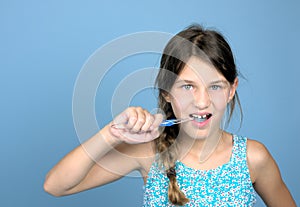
x: 258, y: 156
x: 257, y: 151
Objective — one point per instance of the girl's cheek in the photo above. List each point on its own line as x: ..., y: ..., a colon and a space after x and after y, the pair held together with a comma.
x: 220, y: 104
x: 180, y: 106
x: 220, y: 100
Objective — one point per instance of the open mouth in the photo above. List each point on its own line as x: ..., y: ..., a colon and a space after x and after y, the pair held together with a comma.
x: 200, y: 118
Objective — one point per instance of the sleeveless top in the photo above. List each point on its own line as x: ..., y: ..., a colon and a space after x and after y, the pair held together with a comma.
x: 226, y: 185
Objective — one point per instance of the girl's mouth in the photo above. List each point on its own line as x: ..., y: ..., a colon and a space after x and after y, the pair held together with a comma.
x: 200, y: 118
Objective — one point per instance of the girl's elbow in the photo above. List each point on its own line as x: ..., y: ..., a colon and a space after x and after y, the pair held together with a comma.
x: 52, y: 189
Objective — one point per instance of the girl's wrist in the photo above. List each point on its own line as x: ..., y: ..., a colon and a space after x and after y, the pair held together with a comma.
x: 108, y: 136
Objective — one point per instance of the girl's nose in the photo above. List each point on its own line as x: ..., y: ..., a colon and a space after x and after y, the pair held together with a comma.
x: 202, y: 98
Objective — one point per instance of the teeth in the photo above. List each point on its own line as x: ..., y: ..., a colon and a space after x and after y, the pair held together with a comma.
x: 200, y: 118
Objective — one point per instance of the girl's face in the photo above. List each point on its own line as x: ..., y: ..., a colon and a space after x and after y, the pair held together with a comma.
x: 202, y: 93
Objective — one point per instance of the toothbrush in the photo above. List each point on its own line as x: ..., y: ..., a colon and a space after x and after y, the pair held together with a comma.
x: 171, y: 122
x: 165, y: 123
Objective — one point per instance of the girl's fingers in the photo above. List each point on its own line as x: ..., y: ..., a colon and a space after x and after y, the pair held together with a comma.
x: 158, y: 118
x: 132, y: 117
x: 148, y: 122
x: 140, y: 120
x: 136, y: 122
x: 140, y: 125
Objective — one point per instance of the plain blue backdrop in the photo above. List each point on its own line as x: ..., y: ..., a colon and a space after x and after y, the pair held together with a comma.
x: 44, y: 44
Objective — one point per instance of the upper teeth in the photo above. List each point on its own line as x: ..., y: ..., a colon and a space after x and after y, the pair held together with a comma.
x: 199, y: 116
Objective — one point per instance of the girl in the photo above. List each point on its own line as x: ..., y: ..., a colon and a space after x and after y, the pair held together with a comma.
x: 194, y: 163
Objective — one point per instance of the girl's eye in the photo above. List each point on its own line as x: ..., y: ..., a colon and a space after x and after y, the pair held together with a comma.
x: 187, y: 87
x: 215, y: 87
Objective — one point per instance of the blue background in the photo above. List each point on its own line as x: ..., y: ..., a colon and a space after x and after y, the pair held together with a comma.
x: 44, y: 44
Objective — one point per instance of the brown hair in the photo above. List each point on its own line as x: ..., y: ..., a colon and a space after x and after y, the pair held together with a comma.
x: 209, y: 46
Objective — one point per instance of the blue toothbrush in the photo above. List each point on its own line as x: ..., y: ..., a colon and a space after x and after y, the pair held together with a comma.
x: 165, y: 123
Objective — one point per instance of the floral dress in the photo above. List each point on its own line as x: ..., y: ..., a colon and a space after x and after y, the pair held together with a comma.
x: 226, y: 185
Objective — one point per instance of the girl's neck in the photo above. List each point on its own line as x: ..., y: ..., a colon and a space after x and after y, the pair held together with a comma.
x: 200, y: 148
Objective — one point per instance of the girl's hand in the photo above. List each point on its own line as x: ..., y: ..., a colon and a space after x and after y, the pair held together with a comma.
x: 139, y: 126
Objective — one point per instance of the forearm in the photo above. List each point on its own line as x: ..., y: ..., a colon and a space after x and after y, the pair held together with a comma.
x: 74, y: 167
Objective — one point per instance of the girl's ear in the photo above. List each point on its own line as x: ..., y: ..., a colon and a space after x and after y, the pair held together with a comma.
x: 233, y: 88
x: 167, y: 97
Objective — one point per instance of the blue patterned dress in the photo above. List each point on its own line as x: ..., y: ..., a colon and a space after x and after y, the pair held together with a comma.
x: 226, y: 185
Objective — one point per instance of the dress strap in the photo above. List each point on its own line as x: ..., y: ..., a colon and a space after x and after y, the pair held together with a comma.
x: 239, y: 151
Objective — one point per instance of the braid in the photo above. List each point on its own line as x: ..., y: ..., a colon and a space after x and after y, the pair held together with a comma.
x: 176, y: 196
x: 166, y: 147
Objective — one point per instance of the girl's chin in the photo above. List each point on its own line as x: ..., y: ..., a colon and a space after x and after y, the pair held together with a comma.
x: 195, y: 133
x: 200, y: 130
x: 199, y: 136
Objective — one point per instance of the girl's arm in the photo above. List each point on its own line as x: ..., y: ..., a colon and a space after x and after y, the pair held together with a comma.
x: 266, y: 177
x: 106, y: 156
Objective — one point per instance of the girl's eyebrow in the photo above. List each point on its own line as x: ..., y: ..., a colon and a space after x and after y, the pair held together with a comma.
x: 219, y: 81
x: 184, y: 81
x: 212, y: 82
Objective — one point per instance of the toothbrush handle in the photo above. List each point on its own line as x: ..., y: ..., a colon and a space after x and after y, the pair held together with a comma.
x: 165, y: 123
x: 168, y: 122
